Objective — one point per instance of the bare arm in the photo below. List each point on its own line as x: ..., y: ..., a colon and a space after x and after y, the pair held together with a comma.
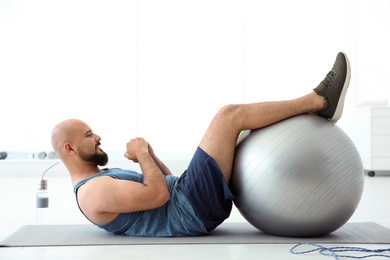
x: 152, y: 168
x: 102, y: 197
x: 164, y: 169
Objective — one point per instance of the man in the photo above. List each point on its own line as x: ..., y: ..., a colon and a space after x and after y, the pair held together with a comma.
x: 155, y: 203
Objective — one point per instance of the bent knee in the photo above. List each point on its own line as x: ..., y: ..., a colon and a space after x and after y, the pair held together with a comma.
x: 228, y: 112
x: 229, y: 116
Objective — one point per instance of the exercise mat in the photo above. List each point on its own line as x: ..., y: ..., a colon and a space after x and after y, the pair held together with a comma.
x: 227, y: 233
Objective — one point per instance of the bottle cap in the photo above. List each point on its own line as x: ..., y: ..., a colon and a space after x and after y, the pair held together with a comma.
x: 42, y: 185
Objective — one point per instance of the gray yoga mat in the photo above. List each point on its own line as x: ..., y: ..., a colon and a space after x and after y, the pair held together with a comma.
x: 227, y: 233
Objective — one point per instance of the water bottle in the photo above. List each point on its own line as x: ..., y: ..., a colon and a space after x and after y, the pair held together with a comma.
x: 42, y: 203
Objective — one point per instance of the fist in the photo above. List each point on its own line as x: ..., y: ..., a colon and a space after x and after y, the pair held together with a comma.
x: 136, y: 147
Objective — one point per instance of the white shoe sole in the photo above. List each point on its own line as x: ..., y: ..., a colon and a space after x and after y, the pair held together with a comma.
x: 340, y: 104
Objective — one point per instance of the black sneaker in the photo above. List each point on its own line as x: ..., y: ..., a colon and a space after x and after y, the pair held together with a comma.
x: 334, y: 87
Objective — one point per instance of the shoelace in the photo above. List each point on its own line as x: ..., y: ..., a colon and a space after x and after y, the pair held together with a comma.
x: 328, y: 82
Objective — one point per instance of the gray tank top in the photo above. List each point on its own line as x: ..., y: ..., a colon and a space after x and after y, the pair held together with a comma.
x: 174, y: 218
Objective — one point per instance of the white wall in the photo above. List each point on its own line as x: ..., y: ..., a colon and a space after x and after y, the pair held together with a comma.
x: 161, y: 69
x: 373, y: 51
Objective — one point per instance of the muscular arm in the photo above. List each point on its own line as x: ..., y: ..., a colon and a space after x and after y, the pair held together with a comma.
x: 155, y: 188
x: 164, y: 169
x: 103, y: 198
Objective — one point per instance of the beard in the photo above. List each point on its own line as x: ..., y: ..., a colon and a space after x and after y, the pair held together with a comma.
x: 95, y: 159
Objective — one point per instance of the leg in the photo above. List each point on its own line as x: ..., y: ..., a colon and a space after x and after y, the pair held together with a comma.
x: 221, y: 136
x: 326, y: 100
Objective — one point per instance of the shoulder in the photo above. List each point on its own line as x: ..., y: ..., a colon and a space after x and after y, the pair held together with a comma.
x: 91, y: 199
x: 94, y: 187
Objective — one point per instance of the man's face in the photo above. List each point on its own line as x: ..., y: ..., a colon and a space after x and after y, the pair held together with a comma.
x: 89, y: 150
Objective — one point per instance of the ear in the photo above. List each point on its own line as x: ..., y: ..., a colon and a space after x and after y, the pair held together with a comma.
x: 68, y: 148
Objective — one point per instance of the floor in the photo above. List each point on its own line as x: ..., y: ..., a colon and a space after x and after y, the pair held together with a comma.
x: 17, y: 200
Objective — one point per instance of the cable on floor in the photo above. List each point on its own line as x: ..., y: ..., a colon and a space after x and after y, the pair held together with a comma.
x: 336, y: 250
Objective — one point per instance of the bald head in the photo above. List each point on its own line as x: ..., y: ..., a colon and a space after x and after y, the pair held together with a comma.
x: 66, y: 131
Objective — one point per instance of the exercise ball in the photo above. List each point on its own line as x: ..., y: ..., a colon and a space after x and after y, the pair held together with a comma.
x: 301, y: 177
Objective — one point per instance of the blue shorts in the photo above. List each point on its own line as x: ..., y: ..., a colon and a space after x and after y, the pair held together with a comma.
x: 204, y: 186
